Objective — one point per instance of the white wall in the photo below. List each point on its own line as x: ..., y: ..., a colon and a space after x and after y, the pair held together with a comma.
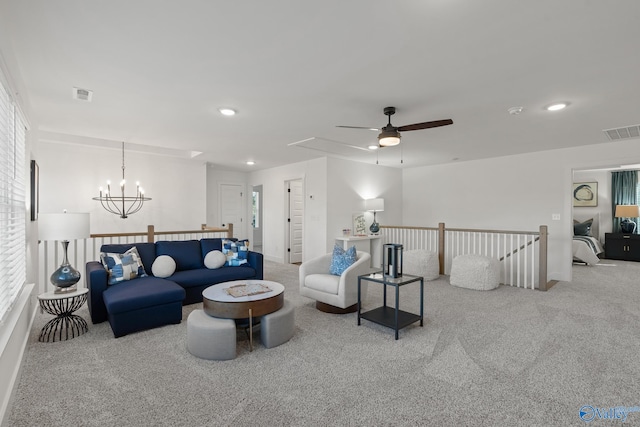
x: 511, y: 193
x: 314, y: 175
x: 350, y: 183
x: 70, y: 176
x: 215, y: 177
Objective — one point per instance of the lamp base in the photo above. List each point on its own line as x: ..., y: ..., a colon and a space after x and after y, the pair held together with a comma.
x: 627, y: 226
x: 374, y: 228
x: 65, y: 277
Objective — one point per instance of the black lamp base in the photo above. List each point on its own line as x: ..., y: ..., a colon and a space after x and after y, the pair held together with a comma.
x: 628, y: 226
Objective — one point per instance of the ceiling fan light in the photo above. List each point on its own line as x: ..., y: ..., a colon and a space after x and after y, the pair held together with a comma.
x: 389, y: 141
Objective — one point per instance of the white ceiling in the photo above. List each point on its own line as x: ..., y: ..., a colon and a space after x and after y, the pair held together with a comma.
x: 159, y: 70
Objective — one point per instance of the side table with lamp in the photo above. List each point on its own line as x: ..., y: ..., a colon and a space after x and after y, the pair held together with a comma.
x: 65, y: 298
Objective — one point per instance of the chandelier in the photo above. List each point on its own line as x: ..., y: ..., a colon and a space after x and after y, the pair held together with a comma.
x: 122, y: 205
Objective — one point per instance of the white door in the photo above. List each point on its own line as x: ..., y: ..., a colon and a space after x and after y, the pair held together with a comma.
x: 295, y: 220
x: 231, y: 207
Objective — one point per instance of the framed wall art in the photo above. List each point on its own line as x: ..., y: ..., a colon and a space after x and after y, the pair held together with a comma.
x: 585, y: 194
x: 35, y: 190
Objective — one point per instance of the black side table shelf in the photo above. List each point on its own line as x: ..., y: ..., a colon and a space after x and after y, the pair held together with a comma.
x: 65, y: 325
x: 391, y: 317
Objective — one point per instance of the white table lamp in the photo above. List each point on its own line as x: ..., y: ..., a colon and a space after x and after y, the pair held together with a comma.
x: 64, y: 227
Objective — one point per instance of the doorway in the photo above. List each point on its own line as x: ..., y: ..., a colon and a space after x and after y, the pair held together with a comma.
x: 256, y: 218
x: 231, y: 207
x: 294, y: 220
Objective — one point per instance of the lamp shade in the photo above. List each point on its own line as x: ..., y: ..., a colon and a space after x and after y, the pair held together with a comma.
x: 627, y: 211
x: 374, y: 205
x: 63, y: 226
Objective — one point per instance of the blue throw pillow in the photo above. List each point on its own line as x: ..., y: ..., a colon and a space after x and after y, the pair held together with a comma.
x: 236, y: 252
x: 124, y: 266
x: 341, y: 259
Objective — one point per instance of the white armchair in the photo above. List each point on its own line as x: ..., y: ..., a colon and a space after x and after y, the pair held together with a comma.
x: 334, y: 294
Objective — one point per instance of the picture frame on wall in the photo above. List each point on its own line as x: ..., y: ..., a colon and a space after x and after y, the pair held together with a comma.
x: 35, y: 190
x: 585, y: 194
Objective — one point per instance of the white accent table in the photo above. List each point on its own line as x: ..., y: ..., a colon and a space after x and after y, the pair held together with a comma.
x: 371, y: 244
x: 65, y: 325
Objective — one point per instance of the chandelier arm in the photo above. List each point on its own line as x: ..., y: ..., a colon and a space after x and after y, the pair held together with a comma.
x: 112, y: 206
x: 106, y: 205
x: 137, y: 204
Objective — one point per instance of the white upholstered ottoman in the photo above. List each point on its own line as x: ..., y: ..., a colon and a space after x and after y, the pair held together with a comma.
x: 277, y: 328
x: 421, y: 263
x: 475, y: 272
x: 210, y: 337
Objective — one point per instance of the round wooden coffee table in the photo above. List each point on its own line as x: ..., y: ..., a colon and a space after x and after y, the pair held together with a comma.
x: 217, y: 302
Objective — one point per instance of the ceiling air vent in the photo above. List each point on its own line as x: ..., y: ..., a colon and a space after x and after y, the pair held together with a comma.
x: 623, y: 133
x: 82, y: 94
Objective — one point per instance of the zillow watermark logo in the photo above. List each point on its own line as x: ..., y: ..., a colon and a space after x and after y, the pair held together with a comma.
x: 589, y: 413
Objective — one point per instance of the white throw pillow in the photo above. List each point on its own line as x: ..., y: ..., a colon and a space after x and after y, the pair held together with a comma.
x: 214, y: 259
x: 163, y: 266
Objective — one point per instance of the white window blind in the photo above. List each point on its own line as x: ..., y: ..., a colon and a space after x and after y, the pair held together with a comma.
x: 12, y: 204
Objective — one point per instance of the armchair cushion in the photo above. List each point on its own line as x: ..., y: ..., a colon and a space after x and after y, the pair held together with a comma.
x: 341, y: 259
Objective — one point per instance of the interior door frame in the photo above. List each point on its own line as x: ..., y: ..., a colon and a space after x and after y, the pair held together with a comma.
x: 238, y: 229
x: 287, y: 228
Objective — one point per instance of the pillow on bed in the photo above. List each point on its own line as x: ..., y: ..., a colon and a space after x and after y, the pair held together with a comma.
x: 582, y: 228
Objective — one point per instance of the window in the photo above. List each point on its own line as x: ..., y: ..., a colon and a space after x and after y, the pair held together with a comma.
x: 13, y: 250
x: 255, y: 209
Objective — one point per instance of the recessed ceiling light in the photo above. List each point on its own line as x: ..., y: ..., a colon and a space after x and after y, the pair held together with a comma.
x: 373, y: 147
x: 557, y: 107
x: 251, y: 162
x: 227, y: 111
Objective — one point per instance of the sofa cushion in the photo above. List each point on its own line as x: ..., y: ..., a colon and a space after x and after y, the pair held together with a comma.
x: 163, y: 266
x: 147, y: 252
x: 187, y: 254
x: 209, y: 245
x: 139, y: 293
x: 121, y: 267
x: 204, y: 276
x: 214, y: 259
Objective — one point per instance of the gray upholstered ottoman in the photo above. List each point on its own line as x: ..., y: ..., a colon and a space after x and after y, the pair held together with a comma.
x: 277, y: 328
x: 421, y: 263
x: 475, y: 272
x: 210, y: 337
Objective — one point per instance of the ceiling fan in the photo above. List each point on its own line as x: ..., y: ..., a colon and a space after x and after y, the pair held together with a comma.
x: 390, y: 135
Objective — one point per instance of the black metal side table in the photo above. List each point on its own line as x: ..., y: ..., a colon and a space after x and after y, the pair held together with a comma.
x: 393, y: 318
x: 65, y: 325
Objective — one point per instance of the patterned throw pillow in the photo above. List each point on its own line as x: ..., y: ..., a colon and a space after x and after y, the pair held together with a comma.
x: 236, y: 252
x: 341, y: 259
x: 124, y: 266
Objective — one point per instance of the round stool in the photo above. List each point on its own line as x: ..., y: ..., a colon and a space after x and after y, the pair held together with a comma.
x: 277, y: 328
x: 211, y: 337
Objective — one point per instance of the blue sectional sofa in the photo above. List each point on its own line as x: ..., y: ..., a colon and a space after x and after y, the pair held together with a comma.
x: 149, y: 302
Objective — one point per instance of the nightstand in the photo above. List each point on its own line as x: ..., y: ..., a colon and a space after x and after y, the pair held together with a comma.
x: 622, y: 246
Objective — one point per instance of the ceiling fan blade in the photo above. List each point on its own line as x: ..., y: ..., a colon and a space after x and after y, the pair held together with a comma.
x: 359, y: 127
x: 426, y: 125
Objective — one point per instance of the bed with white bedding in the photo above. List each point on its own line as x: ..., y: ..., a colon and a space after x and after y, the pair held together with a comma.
x: 586, y: 246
